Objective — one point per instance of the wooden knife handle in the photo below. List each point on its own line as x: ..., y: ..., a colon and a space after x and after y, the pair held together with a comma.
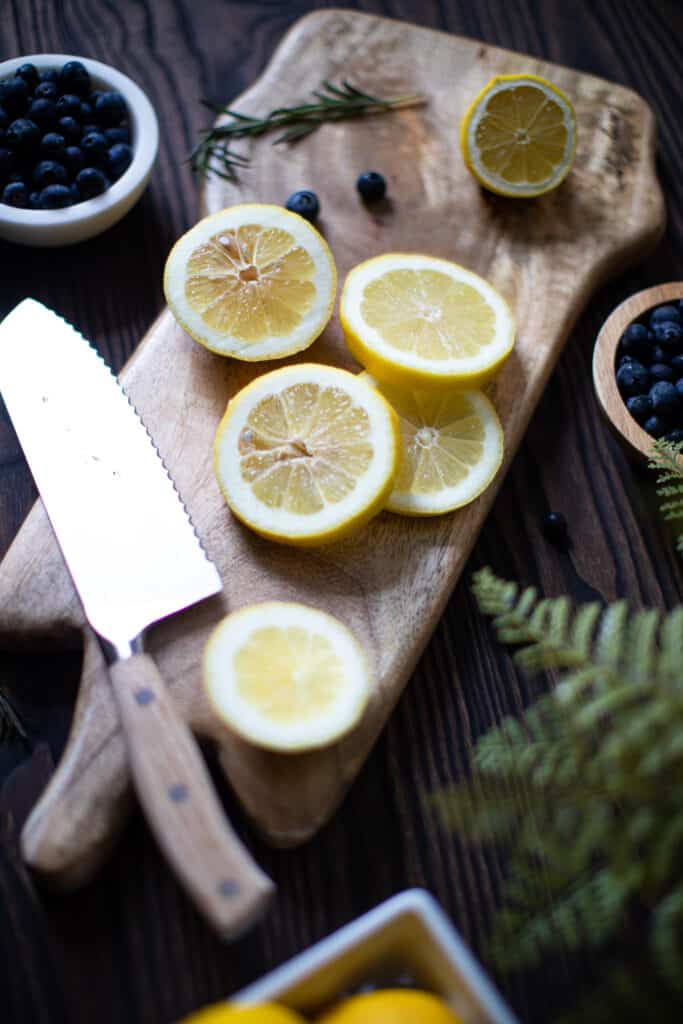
x: 181, y: 805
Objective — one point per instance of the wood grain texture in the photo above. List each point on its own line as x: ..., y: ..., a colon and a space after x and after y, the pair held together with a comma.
x: 389, y: 584
x: 128, y: 948
x: 636, y: 441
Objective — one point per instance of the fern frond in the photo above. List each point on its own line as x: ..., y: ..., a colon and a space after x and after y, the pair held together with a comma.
x: 667, y: 939
x: 666, y: 459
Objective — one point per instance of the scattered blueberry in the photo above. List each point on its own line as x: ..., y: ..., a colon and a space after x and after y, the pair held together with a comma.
x: 654, y: 426
x: 74, y: 78
x: 305, y: 203
x: 371, y: 186
x: 114, y: 135
x: 55, y: 197
x: 675, y: 435
x: 660, y: 371
x: 43, y: 112
x: 640, y: 407
x: 118, y: 160
x: 15, y: 194
x: 69, y: 105
x: 49, y: 172
x: 52, y: 146
x: 110, y: 108
x: 668, y: 334
x: 46, y: 91
x: 23, y: 136
x: 29, y: 72
x: 554, y: 527
x: 73, y: 160
x: 14, y: 93
x: 70, y: 129
x: 91, y: 182
x: 666, y: 400
x: 633, y: 379
x: 665, y: 314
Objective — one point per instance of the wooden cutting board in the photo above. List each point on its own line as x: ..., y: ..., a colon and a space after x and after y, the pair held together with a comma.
x: 390, y: 583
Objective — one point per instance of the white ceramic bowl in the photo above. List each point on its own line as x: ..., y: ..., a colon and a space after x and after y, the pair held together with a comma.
x: 92, y: 217
x: 408, y: 934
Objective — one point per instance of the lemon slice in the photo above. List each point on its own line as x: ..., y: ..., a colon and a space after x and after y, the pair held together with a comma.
x: 422, y: 321
x: 306, y: 454
x: 518, y: 136
x: 451, y: 448
x: 392, y: 1006
x: 285, y: 676
x: 253, y: 281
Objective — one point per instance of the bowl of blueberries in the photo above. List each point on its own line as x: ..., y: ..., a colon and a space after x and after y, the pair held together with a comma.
x: 78, y: 140
x: 638, y: 367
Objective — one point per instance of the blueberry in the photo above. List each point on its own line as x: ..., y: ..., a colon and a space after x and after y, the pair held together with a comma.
x: 48, y: 75
x: 635, y: 341
x: 23, y: 136
x: 91, y: 129
x: 110, y: 109
x: 660, y: 355
x: 29, y: 72
x: 15, y: 194
x: 114, y: 135
x: 118, y: 160
x: 75, y: 194
x: 86, y: 113
x: 305, y: 203
x: 371, y: 186
x: 94, y: 146
x: 46, y: 91
x: 69, y: 105
x: 633, y: 379
x: 91, y: 182
x: 677, y: 366
x: 94, y: 96
x: 659, y: 371
x: 665, y: 398
x: 679, y: 387
x: 14, y: 94
x: 6, y: 161
x: 70, y: 129
x: 34, y: 200
x: 640, y: 407
x: 73, y: 160
x: 43, y: 112
x: 668, y: 333
x: 52, y: 146
x: 55, y: 197
x: 665, y: 314
x: 675, y: 436
x: 74, y: 78
x: 49, y: 172
x: 554, y: 526
x: 654, y: 426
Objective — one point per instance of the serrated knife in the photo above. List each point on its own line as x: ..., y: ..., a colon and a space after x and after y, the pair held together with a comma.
x: 135, y: 558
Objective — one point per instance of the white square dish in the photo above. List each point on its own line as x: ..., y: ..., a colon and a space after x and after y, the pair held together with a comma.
x: 408, y: 934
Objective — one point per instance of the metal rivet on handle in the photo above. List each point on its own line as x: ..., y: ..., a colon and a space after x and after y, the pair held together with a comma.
x: 227, y: 888
x: 144, y: 696
x: 178, y: 792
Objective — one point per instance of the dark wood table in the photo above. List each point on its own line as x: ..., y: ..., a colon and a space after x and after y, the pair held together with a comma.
x: 129, y: 947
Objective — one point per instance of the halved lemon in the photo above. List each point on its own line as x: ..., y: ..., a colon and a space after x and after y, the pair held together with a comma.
x: 451, y: 448
x: 306, y: 454
x: 229, y: 1013
x: 422, y: 321
x: 285, y: 676
x: 392, y: 1006
x: 518, y: 136
x: 253, y: 281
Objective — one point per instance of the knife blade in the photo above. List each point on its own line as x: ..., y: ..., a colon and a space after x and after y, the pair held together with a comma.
x: 134, y: 558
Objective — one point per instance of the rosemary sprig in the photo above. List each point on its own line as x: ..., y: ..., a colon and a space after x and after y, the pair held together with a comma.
x: 213, y: 155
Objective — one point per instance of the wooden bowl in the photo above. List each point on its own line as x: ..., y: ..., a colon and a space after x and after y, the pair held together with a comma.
x: 638, y: 443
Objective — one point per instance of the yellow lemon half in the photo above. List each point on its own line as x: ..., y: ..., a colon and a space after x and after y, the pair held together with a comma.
x: 451, y: 448
x: 285, y: 676
x: 420, y: 321
x: 518, y: 137
x: 253, y: 281
x: 227, y: 1013
x: 306, y: 454
x: 392, y: 1006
